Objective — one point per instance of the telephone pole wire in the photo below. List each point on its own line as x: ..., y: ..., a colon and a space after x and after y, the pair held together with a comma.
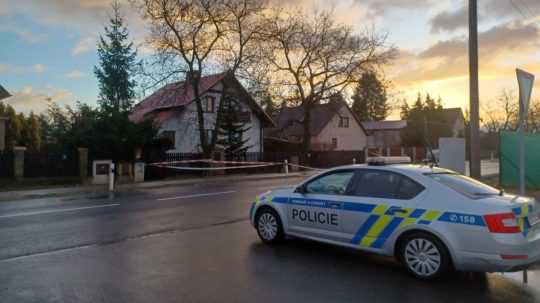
x: 474, y: 142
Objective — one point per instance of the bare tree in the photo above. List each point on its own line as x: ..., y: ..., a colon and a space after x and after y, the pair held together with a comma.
x: 501, y: 114
x: 239, y: 48
x: 195, y: 36
x: 186, y: 32
x: 313, y: 57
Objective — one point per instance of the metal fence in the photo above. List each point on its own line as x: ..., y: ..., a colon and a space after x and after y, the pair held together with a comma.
x: 6, y: 164
x: 509, y: 159
x: 50, y: 164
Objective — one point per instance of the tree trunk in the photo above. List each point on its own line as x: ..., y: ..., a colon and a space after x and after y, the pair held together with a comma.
x: 306, y: 143
x: 218, y: 115
x: 194, y: 80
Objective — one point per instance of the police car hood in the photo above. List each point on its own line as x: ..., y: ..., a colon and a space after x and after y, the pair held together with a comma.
x: 285, y: 190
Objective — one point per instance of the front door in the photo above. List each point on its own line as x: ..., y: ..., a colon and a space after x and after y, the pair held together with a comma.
x: 317, y: 212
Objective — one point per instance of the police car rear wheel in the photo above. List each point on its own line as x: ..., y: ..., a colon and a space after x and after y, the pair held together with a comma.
x: 269, y: 226
x: 424, y: 256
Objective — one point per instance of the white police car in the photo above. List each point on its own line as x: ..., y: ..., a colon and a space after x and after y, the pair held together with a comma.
x: 430, y: 219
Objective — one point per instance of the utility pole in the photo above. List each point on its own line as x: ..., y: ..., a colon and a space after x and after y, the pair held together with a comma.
x: 474, y: 141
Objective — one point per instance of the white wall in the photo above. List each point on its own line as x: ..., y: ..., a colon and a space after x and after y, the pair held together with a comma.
x: 185, y: 124
x: 351, y: 138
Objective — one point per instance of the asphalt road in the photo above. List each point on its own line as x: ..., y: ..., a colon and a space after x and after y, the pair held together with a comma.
x: 195, y: 244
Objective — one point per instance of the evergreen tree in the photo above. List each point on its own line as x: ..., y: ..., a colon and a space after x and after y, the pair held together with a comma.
x: 231, y: 129
x: 404, y: 110
x: 117, y: 61
x: 425, y: 123
x: 34, y: 132
x: 370, y: 99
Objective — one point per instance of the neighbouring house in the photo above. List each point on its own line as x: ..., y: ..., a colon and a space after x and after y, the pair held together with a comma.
x: 383, y: 134
x: 4, y: 93
x: 454, y: 117
x: 333, y: 127
x: 174, y: 109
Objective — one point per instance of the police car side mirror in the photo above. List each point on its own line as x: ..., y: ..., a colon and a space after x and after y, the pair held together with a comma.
x: 300, y: 189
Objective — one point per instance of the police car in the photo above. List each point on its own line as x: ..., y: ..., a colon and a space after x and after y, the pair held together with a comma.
x: 431, y: 219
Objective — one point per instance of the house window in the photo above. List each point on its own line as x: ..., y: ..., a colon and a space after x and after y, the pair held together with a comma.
x: 209, y: 134
x: 334, y: 142
x: 170, y: 136
x: 209, y: 103
x: 344, y: 122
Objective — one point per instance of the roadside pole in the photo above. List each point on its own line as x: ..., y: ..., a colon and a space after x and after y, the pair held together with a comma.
x: 525, y: 82
x: 474, y: 107
x: 111, y: 177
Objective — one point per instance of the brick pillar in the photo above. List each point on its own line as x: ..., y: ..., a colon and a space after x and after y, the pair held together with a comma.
x: 3, y: 122
x: 18, y: 162
x: 83, y: 164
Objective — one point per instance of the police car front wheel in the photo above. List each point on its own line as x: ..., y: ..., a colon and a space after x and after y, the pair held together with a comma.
x: 269, y: 226
x: 424, y: 256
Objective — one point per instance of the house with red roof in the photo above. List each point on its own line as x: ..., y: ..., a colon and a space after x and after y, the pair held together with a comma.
x: 174, y: 110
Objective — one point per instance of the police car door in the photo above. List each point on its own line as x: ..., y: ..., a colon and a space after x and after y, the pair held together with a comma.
x: 315, y: 209
x: 381, y: 202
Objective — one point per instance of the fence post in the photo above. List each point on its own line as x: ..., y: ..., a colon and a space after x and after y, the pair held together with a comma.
x: 18, y: 161
x: 366, y: 154
x: 3, y: 133
x: 285, y: 166
x: 83, y: 164
x: 402, y: 151
x: 353, y: 161
x: 414, y: 153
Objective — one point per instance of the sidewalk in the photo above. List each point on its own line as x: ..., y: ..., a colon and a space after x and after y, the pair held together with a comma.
x: 101, y: 189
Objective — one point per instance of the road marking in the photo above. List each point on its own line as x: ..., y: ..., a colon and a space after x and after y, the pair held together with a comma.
x: 57, y: 211
x: 198, y: 195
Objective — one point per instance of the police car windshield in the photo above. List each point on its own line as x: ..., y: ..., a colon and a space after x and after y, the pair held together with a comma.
x: 464, y: 185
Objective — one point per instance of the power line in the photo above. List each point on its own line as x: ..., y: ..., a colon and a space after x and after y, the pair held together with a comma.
x: 528, y: 8
x: 516, y: 7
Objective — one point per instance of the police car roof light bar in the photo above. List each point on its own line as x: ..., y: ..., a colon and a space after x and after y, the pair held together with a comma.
x: 388, y: 160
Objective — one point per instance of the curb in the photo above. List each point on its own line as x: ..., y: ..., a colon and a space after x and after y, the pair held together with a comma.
x: 100, y: 189
x: 198, y: 181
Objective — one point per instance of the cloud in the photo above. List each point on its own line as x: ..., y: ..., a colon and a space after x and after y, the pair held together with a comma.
x: 29, y: 99
x: 488, y: 10
x: 8, y: 69
x: 22, y: 33
x: 75, y: 74
x: 450, y: 21
x: 84, y: 45
x: 380, y: 7
x: 499, y: 49
x: 39, y: 68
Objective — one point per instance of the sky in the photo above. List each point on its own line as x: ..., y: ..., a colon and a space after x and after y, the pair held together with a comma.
x: 48, y: 47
